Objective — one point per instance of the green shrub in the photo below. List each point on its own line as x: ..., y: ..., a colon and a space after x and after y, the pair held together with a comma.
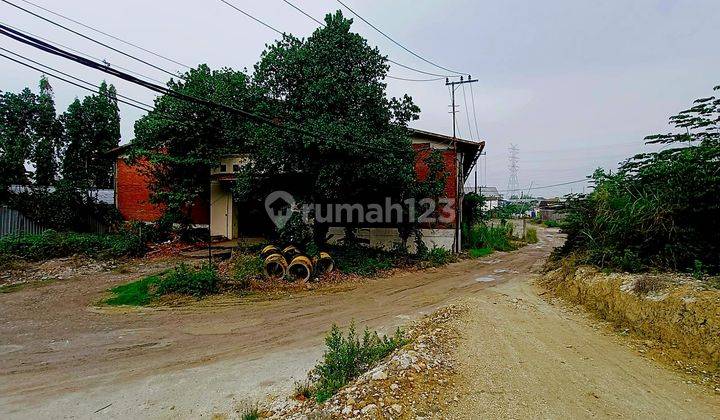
x: 497, y: 238
x: 660, y: 209
x: 361, y: 260
x: 136, y: 293
x: 188, y: 280
x: 531, y: 235
x: 551, y: 223
x: 437, y: 257
x: 346, y: 357
x: 250, y: 412
x: 480, y: 252
x: 51, y: 244
x: 246, y: 267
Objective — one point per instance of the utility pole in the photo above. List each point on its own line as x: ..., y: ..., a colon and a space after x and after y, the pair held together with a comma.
x: 459, y: 183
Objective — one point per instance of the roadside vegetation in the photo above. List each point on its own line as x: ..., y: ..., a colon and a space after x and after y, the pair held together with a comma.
x: 346, y: 357
x: 482, y: 239
x: 52, y: 244
x: 660, y: 210
x: 182, y: 280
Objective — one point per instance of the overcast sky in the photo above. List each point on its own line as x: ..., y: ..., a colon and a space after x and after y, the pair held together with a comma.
x: 575, y: 84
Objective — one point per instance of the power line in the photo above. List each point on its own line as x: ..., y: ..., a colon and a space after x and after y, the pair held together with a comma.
x: 304, y: 13
x: 91, y: 39
x: 472, y: 97
x: 107, y: 34
x: 467, y: 114
x: 397, y: 43
x: 415, y: 80
x: 441, y: 76
x: 70, y: 76
x: 86, y: 55
x: 69, y: 81
x: 252, y: 17
x: 547, y: 186
x: 261, y: 119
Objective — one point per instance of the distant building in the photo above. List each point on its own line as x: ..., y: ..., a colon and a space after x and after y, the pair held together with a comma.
x: 491, y: 195
x: 551, y: 209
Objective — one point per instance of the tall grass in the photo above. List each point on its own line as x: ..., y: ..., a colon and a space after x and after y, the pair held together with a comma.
x: 531, y: 235
x: 497, y: 238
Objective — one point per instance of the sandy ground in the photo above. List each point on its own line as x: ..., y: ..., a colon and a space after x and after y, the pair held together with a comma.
x: 523, y: 356
x: 63, y: 357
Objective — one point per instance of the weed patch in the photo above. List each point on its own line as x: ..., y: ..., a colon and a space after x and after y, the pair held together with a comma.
x: 188, y: 280
x: 183, y: 279
x: 246, y: 267
x: 361, y: 260
x: 480, y: 252
x: 51, y: 244
x: 531, y: 235
x: 137, y: 293
x: 497, y: 238
x: 437, y: 257
x: 346, y: 357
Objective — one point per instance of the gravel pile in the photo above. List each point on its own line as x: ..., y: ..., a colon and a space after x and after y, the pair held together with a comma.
x: 415, y: 381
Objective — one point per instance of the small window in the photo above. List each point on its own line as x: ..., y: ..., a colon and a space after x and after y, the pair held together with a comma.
x: 236, y: 167
x: 223, y: 168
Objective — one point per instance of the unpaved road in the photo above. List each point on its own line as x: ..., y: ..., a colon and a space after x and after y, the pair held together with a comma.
x: 61, y: 357
x: 523, y: 357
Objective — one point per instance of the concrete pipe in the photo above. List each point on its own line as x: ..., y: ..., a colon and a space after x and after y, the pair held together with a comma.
x: 275, y: 266
x: 324, y: 263
x: 290, y: 252
x: 300, y: 268
x: 268, y: 251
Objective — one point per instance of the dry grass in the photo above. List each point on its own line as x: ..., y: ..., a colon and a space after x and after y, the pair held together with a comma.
x: 645, y: 284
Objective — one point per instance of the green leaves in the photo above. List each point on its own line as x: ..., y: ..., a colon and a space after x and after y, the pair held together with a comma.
x: 92, y: 128
x: 185, y: 140
x: 331, y: 84
x: 661, y: 209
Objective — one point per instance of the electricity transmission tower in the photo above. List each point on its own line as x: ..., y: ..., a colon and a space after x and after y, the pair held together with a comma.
x: 513, y: 184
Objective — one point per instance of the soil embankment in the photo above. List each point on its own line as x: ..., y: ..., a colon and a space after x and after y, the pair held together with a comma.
x: 676, y: 317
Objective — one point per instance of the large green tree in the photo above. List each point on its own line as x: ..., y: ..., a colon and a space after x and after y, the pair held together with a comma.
x: 48, y: 137
x: 17, y: 117
x: 92, y: 127
x: 331, y: 85
x: 185, y: 140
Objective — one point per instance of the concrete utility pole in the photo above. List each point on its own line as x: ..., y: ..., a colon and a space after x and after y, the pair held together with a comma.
x: 458, y: 181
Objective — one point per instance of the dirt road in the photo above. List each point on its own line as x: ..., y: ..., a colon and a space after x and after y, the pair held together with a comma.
x: 522, y: 357
x: 62, y: 357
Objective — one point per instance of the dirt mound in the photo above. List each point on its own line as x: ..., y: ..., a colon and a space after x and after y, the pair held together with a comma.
x: 677, y: 317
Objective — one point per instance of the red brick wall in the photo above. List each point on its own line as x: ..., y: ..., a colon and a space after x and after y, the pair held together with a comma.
x: 422, y: 151
x: 132, y: 193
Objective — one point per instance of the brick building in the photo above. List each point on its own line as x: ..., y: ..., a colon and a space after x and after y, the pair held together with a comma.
x: 229, y: 219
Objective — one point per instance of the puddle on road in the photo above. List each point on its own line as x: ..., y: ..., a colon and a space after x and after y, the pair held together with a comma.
x: 9, y: 348
x: 485, y: 279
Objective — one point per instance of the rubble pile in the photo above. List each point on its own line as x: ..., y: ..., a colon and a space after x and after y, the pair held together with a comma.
x: 415, y: 381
